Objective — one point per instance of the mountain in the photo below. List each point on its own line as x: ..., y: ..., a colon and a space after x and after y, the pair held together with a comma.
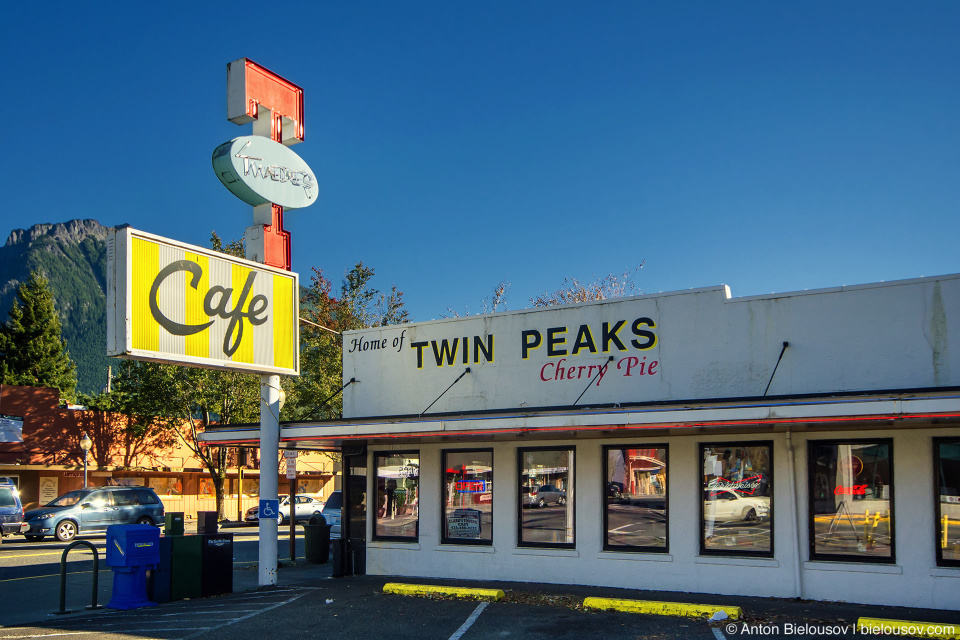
x: 73, y: 257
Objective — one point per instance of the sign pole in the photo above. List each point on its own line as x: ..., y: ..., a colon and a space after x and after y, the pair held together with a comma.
x: 269, y: 477
x: 275, y: 107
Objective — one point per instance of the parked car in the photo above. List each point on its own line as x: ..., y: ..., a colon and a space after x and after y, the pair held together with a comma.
x: 543, y: 495
x: 11, y: 510
x: 331, y: 513
x: 725, y: 505
x: 92, y: 510
x: 304, y: 507
x: 615, y: 490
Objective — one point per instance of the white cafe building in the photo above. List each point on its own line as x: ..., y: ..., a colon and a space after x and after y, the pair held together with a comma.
x: 803, y: 444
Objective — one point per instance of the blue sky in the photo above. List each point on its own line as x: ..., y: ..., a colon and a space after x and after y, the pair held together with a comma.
x: 766, y: 146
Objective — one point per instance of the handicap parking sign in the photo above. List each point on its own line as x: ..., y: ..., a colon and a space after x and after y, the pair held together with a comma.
x: 269, y: 509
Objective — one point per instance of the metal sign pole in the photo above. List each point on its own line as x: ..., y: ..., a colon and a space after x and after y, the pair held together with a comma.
x: 261, y: 171
x: 269, y: 475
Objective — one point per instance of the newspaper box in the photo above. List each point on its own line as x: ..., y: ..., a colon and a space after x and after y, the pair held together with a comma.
x: 131, y: 550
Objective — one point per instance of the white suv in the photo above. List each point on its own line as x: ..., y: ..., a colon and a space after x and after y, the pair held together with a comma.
x: 331, y: 513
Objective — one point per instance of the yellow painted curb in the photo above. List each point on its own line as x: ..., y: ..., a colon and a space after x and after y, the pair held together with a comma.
x: 429, y: 589
x: 876, y: 626
x: 660, y: 608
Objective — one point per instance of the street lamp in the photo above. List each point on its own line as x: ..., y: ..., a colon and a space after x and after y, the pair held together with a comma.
x: 86, y: 444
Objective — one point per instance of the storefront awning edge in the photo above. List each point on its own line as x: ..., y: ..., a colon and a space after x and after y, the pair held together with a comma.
x: 778, y: 413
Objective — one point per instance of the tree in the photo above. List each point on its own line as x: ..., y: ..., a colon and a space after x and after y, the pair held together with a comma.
x: 315, y: 394
x: 139, y: 438
x: 32, y: 347
x: 496, y: 302
x: 187, y: 400
x: 572, y: 291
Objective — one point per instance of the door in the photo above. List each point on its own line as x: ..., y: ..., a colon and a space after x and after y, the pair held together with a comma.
x: 97, y: 511
x: 126, y: 508
x: 354, y: 513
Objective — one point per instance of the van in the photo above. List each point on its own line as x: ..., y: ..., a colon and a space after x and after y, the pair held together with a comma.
x: 11, y: 509
x: 331, y: 513
x: 93, y: 510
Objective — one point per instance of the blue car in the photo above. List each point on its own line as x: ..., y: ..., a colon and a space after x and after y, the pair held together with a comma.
x: 93, y: 510
x: 11, y: 511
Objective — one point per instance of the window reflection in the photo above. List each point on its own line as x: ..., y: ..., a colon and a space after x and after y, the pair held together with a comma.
x: 636, y: 498
x: 398, y: 495
x: 468, y: 497
x: 948, y: 520
x: 737, y: 498
x: 546, y: 497
x: 851, y: 500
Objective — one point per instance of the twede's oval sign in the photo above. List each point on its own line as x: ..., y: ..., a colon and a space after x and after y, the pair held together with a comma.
x: 259, y: 171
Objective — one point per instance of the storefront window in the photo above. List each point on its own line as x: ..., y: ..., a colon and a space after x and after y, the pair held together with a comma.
x: 851, y: 502
x: 546, y: 497
x: 737, y: 511
x: 468, y: 497
x: 947, y: 466
x: 635, y: 495
x: 398, y: 495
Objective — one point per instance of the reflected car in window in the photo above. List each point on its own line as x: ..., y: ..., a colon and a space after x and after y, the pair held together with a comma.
x: 543, y: 495
x: 725, y: 505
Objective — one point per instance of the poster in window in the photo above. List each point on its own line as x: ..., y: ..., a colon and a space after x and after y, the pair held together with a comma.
x: 49, y: 489
x: 167, y: 486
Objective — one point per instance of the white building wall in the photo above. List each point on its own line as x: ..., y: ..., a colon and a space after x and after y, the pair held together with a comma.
x: 914, y: 580
x: 708, y: 345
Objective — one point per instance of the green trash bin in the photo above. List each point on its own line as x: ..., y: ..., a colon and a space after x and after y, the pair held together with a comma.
x: 186, y: 556
x: 316, y: 540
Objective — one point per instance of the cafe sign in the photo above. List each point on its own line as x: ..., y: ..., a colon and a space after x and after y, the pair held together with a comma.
x: 177, y: 303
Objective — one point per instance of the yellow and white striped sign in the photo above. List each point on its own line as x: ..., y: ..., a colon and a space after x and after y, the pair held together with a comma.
x: 172, y: 302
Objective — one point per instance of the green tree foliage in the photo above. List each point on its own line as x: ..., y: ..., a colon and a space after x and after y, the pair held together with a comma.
x: 116, y: 424
x: 33, y: 350
x: 315, y: 393
x: 72, y: 257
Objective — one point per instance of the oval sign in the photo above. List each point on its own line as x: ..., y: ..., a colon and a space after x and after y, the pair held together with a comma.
x: 259, y: 171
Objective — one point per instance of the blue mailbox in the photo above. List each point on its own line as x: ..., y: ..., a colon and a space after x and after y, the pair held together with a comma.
x: 131, y: 550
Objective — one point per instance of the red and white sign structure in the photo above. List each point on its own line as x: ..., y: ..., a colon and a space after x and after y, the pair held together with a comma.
x: 260, y: 173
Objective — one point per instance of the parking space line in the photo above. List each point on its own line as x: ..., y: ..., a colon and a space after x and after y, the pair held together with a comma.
x: 469, y: 621
x: 52, y: 575
x: 249, y: 615
x: 718, y: 634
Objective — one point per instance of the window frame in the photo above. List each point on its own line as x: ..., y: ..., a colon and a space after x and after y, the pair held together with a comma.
x: 521, y: 451
x: 938, y: 523
x: 812, y: 555
x: 606, y: 512
x: 414, y: 539
x: 443, y: 515
x: 742, y: 444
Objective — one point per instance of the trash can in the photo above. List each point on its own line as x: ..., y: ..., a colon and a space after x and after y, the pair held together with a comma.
x: 131, y: 550
x: 158, y: 579
x: 207, y: 522
x: 173, y: 523
x: 338, y: 558
x: 216, y: 564
x: 185, y: 573
x: 358, y: 556
x: 316, y: 540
